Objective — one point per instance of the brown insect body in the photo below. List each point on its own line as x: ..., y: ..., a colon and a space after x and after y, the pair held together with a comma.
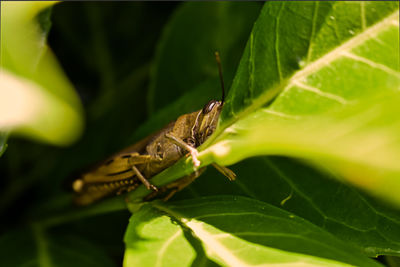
x: 131, y: 167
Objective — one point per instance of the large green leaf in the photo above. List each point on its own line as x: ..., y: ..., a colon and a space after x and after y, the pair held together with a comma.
x: 231, y: 231
x: 37, y: 99
x: 300, y: 87
x: 291, y: 119
x: 312, y: 113
x: 348, y: 121
x: 318, y: 55
x: 360, y: 143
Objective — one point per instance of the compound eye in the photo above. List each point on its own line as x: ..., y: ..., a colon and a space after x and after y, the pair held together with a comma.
x: 190, y: 141
x: 209, y: 106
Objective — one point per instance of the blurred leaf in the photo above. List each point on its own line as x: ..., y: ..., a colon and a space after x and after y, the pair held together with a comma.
x: 35, y: 247
x: 193, y: 87
x: 3, y: 142
x: 392, y: 261
x: 37, y: 100
x: 175, y: 88
x: 114, y: 65
x: 74, y: 42
x: 185, y: 55
x: 232, y: 231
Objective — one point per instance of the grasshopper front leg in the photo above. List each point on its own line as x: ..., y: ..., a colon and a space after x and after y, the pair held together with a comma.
x: 179, y: 142
x: 194, y: 153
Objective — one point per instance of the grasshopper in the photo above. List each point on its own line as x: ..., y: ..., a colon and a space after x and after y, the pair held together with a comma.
x: 135, y: 165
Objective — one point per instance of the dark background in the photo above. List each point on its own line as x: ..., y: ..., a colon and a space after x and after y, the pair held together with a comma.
x: 107, y: 50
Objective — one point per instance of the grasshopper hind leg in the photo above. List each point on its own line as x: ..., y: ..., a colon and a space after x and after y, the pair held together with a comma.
x: 167, y: 191
x: 225, y: 171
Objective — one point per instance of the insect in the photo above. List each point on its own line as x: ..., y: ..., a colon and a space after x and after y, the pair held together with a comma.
x: 135, y: 165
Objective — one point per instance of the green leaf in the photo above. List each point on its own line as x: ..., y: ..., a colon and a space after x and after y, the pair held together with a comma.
x: 329, y: 47
x: 293, y: 124
x: 360, y: 143
x: 232, y: 231
x: 313, y: 195
x: 37, y: 100
x: 35, y: 247
x: 299, y: 120
x: 356, y: 135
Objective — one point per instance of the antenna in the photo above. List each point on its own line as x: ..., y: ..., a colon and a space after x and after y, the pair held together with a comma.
x: 218, y: 59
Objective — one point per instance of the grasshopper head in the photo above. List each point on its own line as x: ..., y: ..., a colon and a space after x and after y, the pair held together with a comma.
x: 210, y: 115
x: 211, y: 111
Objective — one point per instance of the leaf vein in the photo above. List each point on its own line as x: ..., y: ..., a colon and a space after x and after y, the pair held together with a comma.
x: 363, y: 19
x: 245, y: 189
x: 297, y: 190
x: 280, y: 114
x: 313, y: 27
x: 322, y: 244
x: 319, y: 92
x: 348, y: 45
x: 214, y: 246
x: 277, y: 55
x: 371, y: 63
x: 308, y: 199
x: 251, y: 67
x: 164, y: 247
